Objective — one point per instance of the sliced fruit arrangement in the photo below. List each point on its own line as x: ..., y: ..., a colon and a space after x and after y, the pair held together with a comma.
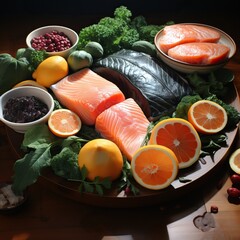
x: 154, y: 166
x: 181, y: 137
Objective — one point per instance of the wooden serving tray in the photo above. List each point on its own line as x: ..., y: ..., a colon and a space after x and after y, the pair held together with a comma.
x: 199, y: 173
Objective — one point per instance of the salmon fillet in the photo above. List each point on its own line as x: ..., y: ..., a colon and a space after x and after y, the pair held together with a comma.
x: 176, y: 34
x: 87, y: 94
x: 200, y: 53
x: 125, y: 124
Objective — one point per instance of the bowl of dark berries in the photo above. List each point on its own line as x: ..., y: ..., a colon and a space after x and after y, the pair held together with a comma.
x: 54, y: 39
x: 24, y: 107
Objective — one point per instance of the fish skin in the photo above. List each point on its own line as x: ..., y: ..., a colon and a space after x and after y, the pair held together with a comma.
x: 125, y: 124
x: 177, y: 34
x: 152, y: 84
x: 87, y: 94
x: 200, y: 53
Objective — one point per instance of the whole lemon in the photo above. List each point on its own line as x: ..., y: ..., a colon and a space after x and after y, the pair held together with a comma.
x: 102, y: 158
x: 51, y: 70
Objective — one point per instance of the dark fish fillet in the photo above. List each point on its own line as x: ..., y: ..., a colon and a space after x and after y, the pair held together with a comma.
x: 153, y: 85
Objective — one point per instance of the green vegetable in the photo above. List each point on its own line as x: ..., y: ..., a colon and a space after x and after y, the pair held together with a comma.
x: 113, y: 33
x: 12, y: 71
x: 79, y: 59
x: 65, y: 162
x: 95, y: 49
x: 183, y: 106
x: 145, y: 47
x: 34, y: 57
x: 148, y: 32
x: 213, y: 83
x: 43, y: 149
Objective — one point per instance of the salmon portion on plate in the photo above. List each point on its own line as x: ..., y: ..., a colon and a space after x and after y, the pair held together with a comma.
x: 125, y: 124
x: 199, y: 53
x: 176, y: 34
x: 87, y: 94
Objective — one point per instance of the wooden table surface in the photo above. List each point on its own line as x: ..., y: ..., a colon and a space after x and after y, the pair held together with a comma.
x: 47, y: 215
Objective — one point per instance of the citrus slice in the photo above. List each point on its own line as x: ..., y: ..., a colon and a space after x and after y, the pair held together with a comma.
x: 64, y: 123
x: 154, y: 166
x: 234, y: 161
x: 102, y: 158
x: 29, y: 83
x: 181, y: 137
x: 207, y: 116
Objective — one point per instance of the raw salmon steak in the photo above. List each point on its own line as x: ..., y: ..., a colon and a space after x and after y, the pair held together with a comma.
x: 125, y: 124
x: 176, y: 34
x: 200, y: 53
x: 87, y: 94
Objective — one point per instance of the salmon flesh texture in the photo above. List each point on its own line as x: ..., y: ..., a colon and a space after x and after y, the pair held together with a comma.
x: 176, y: 34
x: 87, y: 94
x: 125, y: 124
x: 200, y: 53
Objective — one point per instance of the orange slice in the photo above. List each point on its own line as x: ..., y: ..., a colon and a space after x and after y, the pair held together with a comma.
x: 234, y: 161
x: 64, y: 123
x: 102, y: 158
x: 181, y: 137
x: 154, y: 166
x: 207, y: 116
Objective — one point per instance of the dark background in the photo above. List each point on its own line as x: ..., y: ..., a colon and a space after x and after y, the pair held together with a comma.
x: 64, y: 7
x: 76, y: 14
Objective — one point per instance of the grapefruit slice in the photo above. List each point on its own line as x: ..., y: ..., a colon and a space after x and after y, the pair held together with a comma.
x: 181, y: 137
x: 154, y: 166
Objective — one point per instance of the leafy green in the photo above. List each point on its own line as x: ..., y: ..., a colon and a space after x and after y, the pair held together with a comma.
x: 12, y: 71
x: 184, y: 105
x: 125, y: 180
x: 118, y: 32
x: 97, y: 185
x: 213, y: 83
x: 45, y: 150
x: 212, y: 143
x: 148, y: 32
x: 65, y: 162
x: 34, y: 57
x: 28, y: 169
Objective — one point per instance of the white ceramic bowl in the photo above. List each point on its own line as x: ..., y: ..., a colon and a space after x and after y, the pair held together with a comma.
x: 71, y: 34
x: 39, y: 93
x: 190, y: 68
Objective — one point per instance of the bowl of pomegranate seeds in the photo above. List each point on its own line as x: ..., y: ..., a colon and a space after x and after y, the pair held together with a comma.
x: 54, y: 39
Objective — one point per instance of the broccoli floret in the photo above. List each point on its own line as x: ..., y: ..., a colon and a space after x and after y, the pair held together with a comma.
x: 65, y: 162
x: 113, y: 33
x: 148, y: 32
x: 36, y: 57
